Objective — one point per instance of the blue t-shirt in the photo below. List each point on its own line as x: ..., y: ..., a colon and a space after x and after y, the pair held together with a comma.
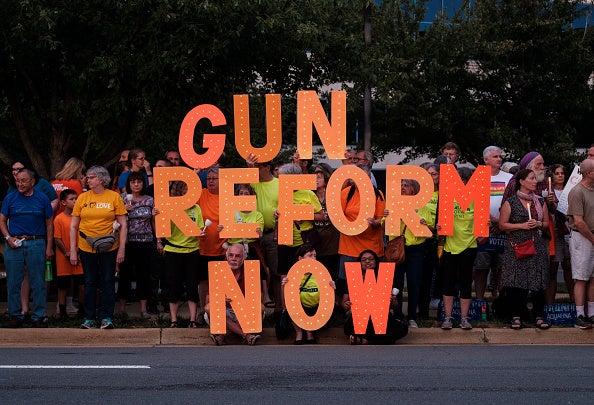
x: 124, y: 178
x: 27, y: 215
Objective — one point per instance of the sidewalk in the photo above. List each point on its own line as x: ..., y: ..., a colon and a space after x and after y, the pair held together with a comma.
x: 163, y: 336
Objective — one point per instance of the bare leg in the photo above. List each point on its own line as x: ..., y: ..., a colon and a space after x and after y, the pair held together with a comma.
x: 448, y: 305
x: 173, y: 306
x: 566, y: 266
x: 464, y: 306
x: 143, y: 305
x: 480, y: 282
x: 62, y: 292
x: 193, y: 306
x: 552, y: 290
x: 202, y: 293
x: 122, y: 305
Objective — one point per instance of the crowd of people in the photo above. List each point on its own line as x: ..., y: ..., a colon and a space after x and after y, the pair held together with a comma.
x: 101, y: 227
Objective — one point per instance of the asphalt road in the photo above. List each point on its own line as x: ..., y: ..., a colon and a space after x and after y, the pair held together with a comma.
x: 306, y: 374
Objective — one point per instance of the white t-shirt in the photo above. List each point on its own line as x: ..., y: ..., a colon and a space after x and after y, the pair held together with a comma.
x: 498, y: 185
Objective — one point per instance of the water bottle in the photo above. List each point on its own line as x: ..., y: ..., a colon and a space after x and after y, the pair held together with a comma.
x: 484, y: 313
x: 48, y: 271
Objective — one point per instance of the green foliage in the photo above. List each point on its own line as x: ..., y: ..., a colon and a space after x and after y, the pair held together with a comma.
x: 90, y: 78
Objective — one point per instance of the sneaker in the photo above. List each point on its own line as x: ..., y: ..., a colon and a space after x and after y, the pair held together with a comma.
x: 39, y: 323
x: 106, y: 323
x: 412, y: 323
x: 145, y: 315
x: 71, y: 309
x: 465, y: 323
x: 448, y: 323
x: 583, y: 322
x: 434, y: 304
x: 206, y: 319
x: 88, y: 324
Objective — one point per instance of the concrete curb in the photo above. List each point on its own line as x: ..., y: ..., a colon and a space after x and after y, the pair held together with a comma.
x: 153, y: 337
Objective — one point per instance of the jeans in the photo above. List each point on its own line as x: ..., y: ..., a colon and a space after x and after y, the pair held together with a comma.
x: 32, y: 255
x: 99, y: 272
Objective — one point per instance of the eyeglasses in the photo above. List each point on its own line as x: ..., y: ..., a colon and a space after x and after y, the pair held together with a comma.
x: 368, y: 259
x: 211, y: 178
x: 91, y: 177
x: 17, y: 169
x: 23, y: 181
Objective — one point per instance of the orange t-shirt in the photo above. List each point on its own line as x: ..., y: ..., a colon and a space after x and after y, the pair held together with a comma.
x: 212, y: 244
x: 61, y: 185
x: 62, y: 231
x: 372, y: 238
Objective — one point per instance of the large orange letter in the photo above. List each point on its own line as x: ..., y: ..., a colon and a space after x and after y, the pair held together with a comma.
x: 274, y: 127
x: 215, y: 143
x: 404, y: 206
x: 222, y: 284
x: 368, y: 297
x: 366, y: 197
x: 289, y: 212
x: 310, y: 111
x: 293, y: 300
x: 452, y: 188
x: 172, y: 208
x: 229, y: 202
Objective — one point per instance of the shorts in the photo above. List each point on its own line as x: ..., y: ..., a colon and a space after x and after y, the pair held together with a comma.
x: 561, y: 249
x: 582, y: 257
x: 487, y: 260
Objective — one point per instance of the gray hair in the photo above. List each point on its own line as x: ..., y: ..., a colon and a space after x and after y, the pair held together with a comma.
x: 365, y: 168
x: 490, y: 149
x: 414, y: 184
x: 290, y: 168
x: 587, y: 166
x: 101, y: 173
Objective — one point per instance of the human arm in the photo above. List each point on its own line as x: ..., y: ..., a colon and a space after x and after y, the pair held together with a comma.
x: 123, y: 236
x: 582, y: 227
x: 74, y: 224
x: 4, y: 229
x: 49, y: 229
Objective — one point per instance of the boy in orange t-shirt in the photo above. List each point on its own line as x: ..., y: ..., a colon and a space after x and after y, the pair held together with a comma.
x: 67, y: 273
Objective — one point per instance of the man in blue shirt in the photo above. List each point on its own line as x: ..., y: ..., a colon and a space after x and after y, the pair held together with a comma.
x: 26, y: 222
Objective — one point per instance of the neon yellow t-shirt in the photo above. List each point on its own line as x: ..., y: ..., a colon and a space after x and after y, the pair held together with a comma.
x: 463, y: 237
x: 178, y: 242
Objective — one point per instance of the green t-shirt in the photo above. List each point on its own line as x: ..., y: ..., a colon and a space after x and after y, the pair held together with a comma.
x: 463, y: 237
x: 178, y: 242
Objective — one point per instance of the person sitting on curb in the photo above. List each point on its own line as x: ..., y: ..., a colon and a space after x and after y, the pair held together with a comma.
x: 235, y: 258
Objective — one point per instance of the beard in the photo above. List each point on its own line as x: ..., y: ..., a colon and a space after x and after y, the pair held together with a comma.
x: 540, y: 176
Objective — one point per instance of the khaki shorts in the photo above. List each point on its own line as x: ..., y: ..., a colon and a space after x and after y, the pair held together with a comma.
x: 582, y: 257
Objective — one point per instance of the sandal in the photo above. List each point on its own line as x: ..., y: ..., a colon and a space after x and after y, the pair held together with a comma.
x: 173, y: 324
x: 516, y: 323
x: 251, y: 339
x: 542, y: 324
x: 192, y: 325
x: 218, y: 340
